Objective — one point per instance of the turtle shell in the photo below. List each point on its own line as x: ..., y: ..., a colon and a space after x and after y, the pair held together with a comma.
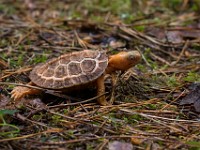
x: 70, y: 70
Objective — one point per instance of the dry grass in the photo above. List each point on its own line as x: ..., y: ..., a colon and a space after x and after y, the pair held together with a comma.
x: 146, y: 112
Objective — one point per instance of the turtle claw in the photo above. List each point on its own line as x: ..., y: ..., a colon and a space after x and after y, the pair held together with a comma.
x: 18, y: 92
x: 102, y: 101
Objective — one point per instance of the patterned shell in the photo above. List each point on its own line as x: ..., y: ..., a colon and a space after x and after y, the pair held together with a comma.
x: 69, y: 70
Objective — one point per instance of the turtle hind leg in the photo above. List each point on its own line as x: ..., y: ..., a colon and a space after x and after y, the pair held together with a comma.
x: 20, y: 91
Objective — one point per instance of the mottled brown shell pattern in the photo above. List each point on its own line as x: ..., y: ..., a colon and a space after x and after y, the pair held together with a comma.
x: 69, y: 70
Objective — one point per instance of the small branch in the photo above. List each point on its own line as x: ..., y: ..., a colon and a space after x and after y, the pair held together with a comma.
x: 78, y: 103
x: 158, y: 117
x: 181, y: 54
x: 24, y: 85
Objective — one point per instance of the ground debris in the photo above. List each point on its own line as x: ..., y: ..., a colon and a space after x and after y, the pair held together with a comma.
x: 116, y: 145
x: 157, y: 102
x: 193, y: 97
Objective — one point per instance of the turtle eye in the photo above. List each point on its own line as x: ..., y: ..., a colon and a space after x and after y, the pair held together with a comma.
x: 134, y: 56
x: 131, y: 57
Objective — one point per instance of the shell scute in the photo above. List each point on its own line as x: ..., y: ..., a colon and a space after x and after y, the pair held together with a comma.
x: 88, y: 66
x: 49, y: 83
x: 74, y: 68
x: 48, y: 73
x: 61, y: 72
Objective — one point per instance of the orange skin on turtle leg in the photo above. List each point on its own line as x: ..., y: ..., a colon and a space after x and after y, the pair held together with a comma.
x: 20, y: 91
x: 101, y: 90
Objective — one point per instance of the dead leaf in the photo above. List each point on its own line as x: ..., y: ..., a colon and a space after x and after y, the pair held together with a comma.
x: 116, y: 44
x: 117, y: 145
x: 4, y: 100
x: 174, y: 36
x: 3, y: 64
x: 136, y: 141
x: 156, y: 32
x: 193, y: 98
x: 29, y: 4
x: 36, y: 103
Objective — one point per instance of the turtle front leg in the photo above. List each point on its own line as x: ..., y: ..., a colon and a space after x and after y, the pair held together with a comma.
x: 20, y: 91
x: 114, y: 82
x: 101, y: 90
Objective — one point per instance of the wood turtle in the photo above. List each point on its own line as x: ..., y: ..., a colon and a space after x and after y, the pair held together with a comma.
x: 77, y: 70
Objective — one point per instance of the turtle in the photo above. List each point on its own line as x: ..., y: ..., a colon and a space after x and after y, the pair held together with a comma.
x: 77, y: 70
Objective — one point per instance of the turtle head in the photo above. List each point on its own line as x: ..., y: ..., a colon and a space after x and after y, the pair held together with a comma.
x: 123, y: 61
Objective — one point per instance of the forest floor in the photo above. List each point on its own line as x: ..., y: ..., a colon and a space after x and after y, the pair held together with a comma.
x: 157, y: 102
